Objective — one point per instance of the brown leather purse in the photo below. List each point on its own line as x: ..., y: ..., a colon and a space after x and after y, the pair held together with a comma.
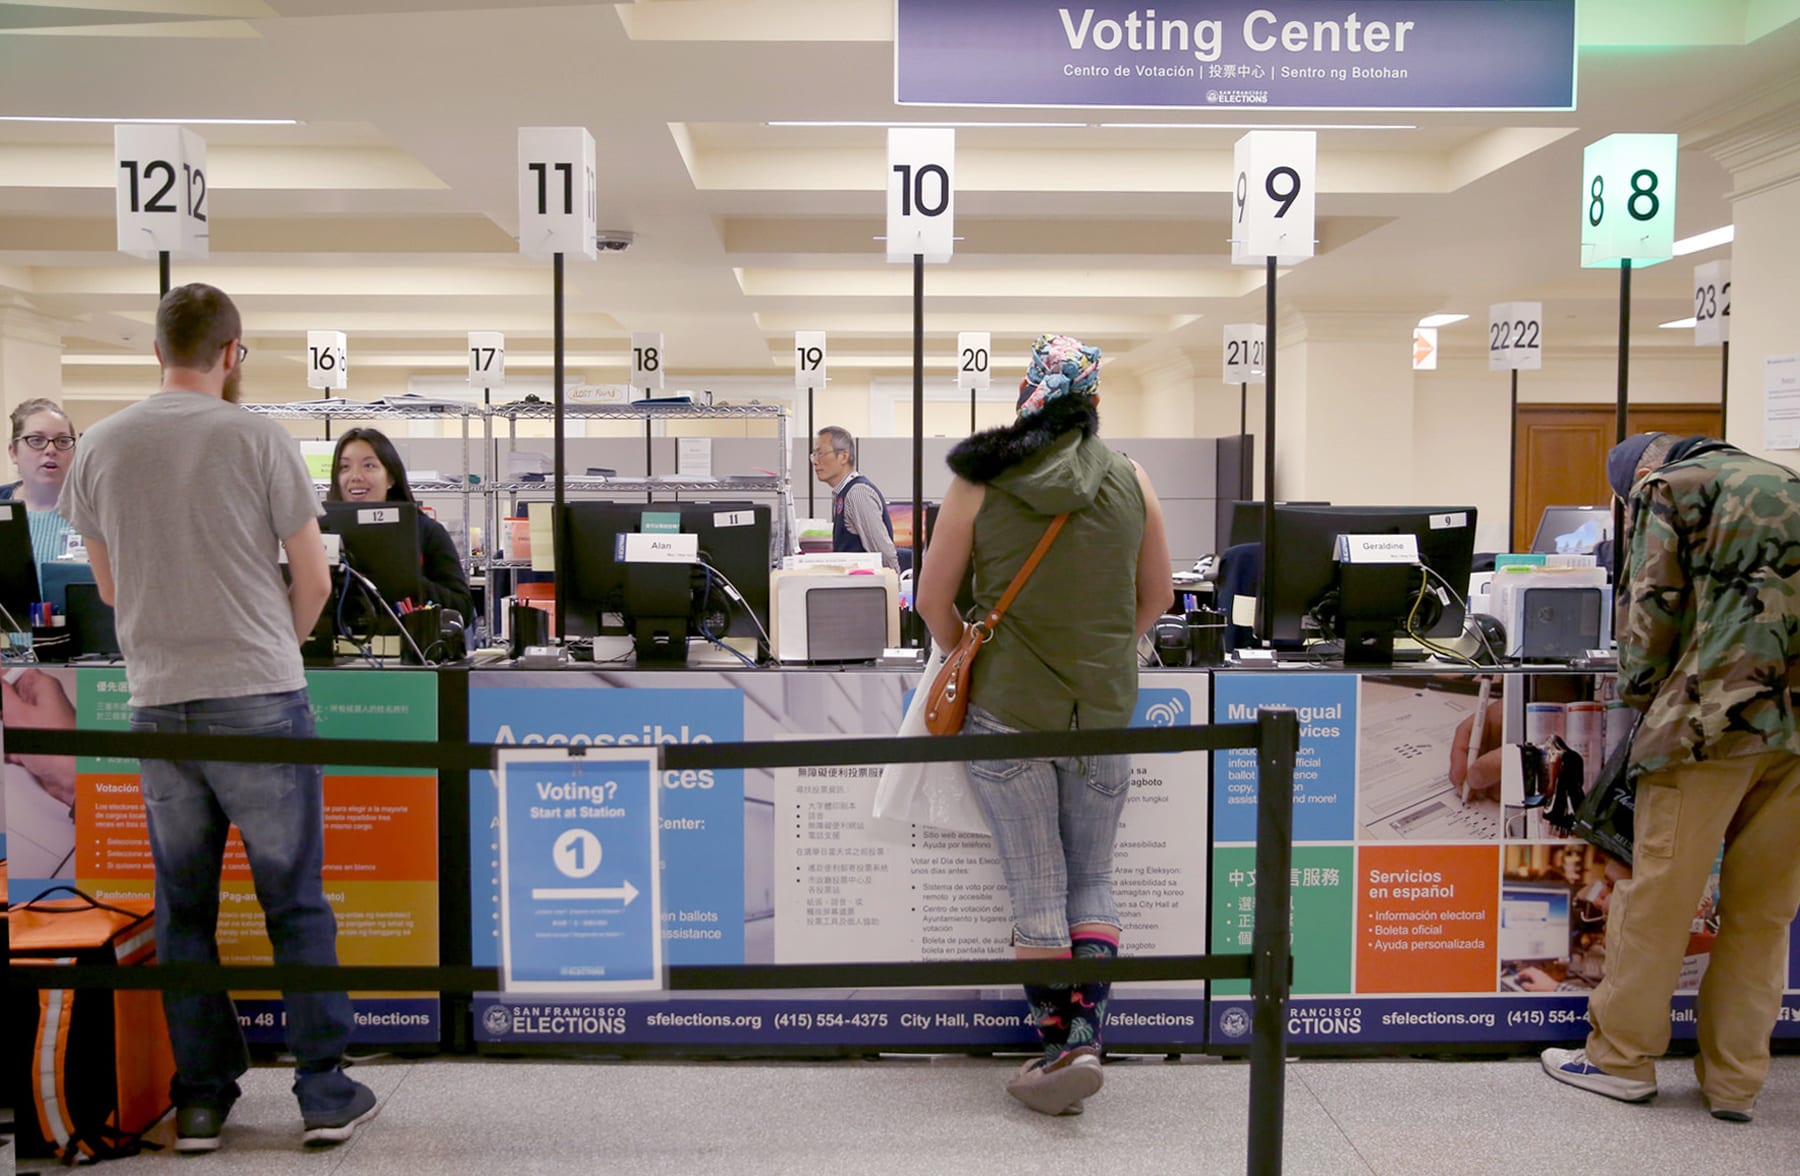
x: 947, y: 701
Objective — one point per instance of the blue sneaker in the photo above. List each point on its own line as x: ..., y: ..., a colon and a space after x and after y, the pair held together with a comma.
x: 331, y: 1106
x: 1572, y: 1066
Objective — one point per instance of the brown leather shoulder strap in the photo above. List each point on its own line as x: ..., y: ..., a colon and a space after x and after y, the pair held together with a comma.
x: 1024, y: 573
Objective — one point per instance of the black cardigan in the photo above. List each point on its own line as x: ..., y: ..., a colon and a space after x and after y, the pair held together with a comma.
x: 441, y: 571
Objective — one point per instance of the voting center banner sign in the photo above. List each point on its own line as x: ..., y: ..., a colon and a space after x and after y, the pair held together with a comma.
x: 1209, y: 54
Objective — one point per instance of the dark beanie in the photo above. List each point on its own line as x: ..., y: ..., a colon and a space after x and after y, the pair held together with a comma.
x: 1622, y: 462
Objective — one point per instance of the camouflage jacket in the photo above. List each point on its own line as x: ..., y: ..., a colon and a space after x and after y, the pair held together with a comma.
x: 1709, y: 612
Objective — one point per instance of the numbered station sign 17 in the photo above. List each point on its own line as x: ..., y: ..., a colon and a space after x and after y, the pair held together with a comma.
x: 809, y: 359
x: 162, y: 202
x: 559, y: 209
x: 1244, y: 353
x: 487, y: 359
x: 1628, y: 201
x: 1272, y: 197
x: 1515, y: 336
x: 973, y: 360
x: 921, y: 193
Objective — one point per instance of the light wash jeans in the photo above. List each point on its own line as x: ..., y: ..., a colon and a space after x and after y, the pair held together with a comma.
x: 1054, y: 822
x: 280, y: 811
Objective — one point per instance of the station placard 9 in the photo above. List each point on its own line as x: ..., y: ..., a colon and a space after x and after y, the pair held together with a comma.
x: 1273, y: 197
x: 327, y: 360
x: 1628, y: 201
x: 559, y: 209
x: 809, y: 359
x: 1515, y: 336
x: 974, y: 360
x: 162, y: 203
x: 921, y: 193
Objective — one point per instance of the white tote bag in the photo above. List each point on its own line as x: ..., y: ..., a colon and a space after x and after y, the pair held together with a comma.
x: 937, y: 795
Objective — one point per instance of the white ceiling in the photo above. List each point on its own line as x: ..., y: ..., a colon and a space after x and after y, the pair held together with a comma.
x: 389, y: 214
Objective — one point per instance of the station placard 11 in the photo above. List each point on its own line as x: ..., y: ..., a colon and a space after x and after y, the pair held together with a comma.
x: 559, y: 209
x: 161, y: 182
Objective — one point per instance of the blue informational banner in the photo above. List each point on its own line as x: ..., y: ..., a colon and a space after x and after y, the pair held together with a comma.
x: 1324, y: 770
x: 1263, y: 54
x: 580, y: 876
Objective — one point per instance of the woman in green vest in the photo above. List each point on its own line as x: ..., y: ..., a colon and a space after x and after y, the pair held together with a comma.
x: 1063, y: 656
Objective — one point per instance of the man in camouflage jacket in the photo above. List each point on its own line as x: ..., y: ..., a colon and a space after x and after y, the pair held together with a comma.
x: 1709, y: 652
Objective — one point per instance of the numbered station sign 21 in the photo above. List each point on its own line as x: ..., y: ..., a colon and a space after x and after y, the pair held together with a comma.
x: 1628, y: 201
x: 327, y: 360
x: 1272, y: 197
x: 1515, y: 336
x: 559, y: 209
x: 921, y: 193
x: 1244, y: 353
x: 974, y: 360
x: 162, y: 201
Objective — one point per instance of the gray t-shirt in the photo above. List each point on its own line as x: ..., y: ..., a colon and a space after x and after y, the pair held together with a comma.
x: 192, y: 497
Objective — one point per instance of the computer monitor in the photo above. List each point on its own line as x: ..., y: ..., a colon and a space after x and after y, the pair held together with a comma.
x: 1307, y: 590
x: 1580, y: 528
x: 18, y: 569
x: 381, y: 541
x: 1247, y: 518
x: 1534, y: 922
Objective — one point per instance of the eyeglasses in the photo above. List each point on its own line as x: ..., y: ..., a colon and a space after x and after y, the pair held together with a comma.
x: 820, y: 454
x: 243, y: 353
x: 63, y: 442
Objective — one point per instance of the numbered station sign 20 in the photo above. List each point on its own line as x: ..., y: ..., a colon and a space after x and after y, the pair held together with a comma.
x: 559, y: 208
x: 1272, y: 197
x: 1628, y: 201
x: 1515, y: 336
x: 974, y: 361
x: 162, y: 200
x: 327, y: 360
x: 1712, y: 303
x: 1244, y: 353
x: 921, y: 193
x: 809, y: 359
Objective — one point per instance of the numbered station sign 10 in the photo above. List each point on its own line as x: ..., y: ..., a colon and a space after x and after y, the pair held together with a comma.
x: 1515, y: 336
x: 921, y: 193
x: 162, y: 203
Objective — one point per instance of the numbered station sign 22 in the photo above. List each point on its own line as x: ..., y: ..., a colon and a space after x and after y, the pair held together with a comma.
x: 558, y: 198
x: 162, y: 198
x: 1515, y: 336
x: 1272, y: 197
x: 921, y: 193
x: 974, y: 360
x: 1628, y: 201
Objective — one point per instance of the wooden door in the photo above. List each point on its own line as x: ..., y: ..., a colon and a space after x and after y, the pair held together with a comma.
x: 1563, y: 448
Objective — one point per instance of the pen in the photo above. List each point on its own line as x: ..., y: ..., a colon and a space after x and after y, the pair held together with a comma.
x: 1475, y: 733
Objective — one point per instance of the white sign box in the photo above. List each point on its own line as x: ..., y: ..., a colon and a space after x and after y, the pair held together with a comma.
x: 1515, y: 336
x: 1244, y: 353
x: 809, y: 359
x: 1628, y: 200
x: 327, y: 360
x: 921, y: 194
x: 162, y: 202
x: 487, y: 359
x: 1712, y: 303
x: 559, y: 208
x: 974, y: 361
x: 1273, y: 197
x: 647, y: 360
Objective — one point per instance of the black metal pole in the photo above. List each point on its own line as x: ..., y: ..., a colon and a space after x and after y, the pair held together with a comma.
x: 558, y: 472
x: 1512, y: 468
x: 1268, y: 492
x: 918, y: 421
x: 1619, y: 422
x: 1277, y: 744
x: 1247, y: 455
x: 812, y: 440
x: 1724, y: 384
x: 162, y: 273
x: 971, y: 412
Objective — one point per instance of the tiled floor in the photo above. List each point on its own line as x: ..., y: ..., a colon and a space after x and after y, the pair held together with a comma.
x: 949, y: 1115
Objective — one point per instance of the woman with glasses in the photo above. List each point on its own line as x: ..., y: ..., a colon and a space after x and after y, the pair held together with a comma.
x: 42, y: 447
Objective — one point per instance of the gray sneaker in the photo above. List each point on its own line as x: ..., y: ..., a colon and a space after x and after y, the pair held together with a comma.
x: 328, y: 1126
x: 1059, y: 1087
x: 199, y: 1128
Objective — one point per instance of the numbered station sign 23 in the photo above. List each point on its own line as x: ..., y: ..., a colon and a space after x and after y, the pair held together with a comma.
x: 1712, y: 303
x: 162, y: 200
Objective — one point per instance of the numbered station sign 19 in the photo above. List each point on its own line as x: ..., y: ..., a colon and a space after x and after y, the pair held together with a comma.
x: 327, y: 360
x: 1244, y: 353
x: 809, y: 359
x: 974, y: 354
x: 1515, y: 336
x: 1712, y: 303
x: 647, y: 360
x: 1628, y: 201
x: 559, y: 209
x: 921, y: 193
x: 163, y: 207
x: 487, y: 359
x: 1272, y: 197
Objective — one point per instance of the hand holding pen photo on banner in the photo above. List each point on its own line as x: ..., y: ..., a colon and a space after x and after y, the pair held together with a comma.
x: 1475, y: 750
x: 39, y: 789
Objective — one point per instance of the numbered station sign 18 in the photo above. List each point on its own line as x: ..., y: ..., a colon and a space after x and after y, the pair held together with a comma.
x: 1628, y: 201
x: 327, y: 360
x: 1712, y: 303
x: 1244, y: 353
x: 809, y: 359
x: 487, y: 359
x: 974, y: 354
x: 1515, y: 336
x: 163, y: 207
x: 1272, y: 197
x: 647, y: 360
x: 921, y: 193
x: 559, y: 209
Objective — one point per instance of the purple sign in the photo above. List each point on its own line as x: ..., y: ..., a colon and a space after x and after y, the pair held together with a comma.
x: 1206, y: 54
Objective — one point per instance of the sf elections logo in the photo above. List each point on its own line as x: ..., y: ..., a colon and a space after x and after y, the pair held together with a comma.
x: 1234, y: 1022
x: 496, y: 1020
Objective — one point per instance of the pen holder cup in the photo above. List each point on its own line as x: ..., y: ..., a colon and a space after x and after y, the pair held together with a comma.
x: 1206, y: 637
x: 52, y: 644
x: 425, y: 627
x: 528, y: 626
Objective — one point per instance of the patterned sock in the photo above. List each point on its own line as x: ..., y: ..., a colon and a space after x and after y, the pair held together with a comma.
x: 1088, y: 1001
x: 1051, y: 1011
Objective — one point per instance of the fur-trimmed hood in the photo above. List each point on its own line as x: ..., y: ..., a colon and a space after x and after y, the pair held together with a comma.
x: 1042, y: 459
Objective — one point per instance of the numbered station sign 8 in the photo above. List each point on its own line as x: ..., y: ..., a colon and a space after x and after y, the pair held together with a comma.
x: 1272, y: 197
x: 1628, y: 201
x: 487, y: 359
x: 921, y: 193
x: 647, y: 360
x: 327, y: 360
x: 1244, y: 353
x: 559, y: 208
x: 809, y: 359
x: 973, y: 360
x: 1712, y: 303
x: 1515, y: 336
x: 162, y: 201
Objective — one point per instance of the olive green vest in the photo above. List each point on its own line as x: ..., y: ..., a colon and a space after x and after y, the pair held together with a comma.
x: 1065, y: 654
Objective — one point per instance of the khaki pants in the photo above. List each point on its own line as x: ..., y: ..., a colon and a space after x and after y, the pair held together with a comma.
x: 1752, y: 804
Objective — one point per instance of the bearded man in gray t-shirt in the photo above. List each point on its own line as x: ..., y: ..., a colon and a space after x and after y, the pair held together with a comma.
x: 184, y: 500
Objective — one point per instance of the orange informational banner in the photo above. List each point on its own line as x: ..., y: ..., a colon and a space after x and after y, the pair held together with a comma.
x: 1427, y: 918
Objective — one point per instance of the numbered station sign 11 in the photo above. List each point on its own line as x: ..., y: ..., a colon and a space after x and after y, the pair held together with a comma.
x: 647, y: 360
x: 974, y: 354
x: 1628, y: 201
x: 327, y: 360
x: 487, y: 359
x: 809, y: 360
x: 1515, y: 336
x: 1272, y: 197
x: 1244, y: 353
x: 161, y: 174
x: 921, y: 193
x: 1712, y: 303
x: 559, y: 210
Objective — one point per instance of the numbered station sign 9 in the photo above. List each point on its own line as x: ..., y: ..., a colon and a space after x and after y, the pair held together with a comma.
x: 809, y: 359
x: 1712, y: 303
x: 1272, y: 197
x: 559, y: 209
x: 647, y: 360
x: 1628, y: 201
x: 487, y: 359
x: 1244, y: 353
x: 974, y: 350
x: 921, y: 193
x: 327, y: 360
x: 1515, y: 336
x: 163, y: 208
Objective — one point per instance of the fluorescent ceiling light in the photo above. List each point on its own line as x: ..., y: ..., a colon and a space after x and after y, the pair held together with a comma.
x: 211, y: 122
x: 1701, y: 241
x: 1441, y: 320
x: 1221, y: 126
x: 935, y: 123
x: 1677, y: 324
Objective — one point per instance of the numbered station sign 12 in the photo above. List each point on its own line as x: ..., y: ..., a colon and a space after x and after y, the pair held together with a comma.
x: 809, y: 359
x: 1628, y: 201
x: 163, y: 206
x: 327, y: 360
x: 487, y: 359
x: 1712, y: 303
x: 1244, y: 353
x: 921, y: 193
x: 559, y: 209
x: 974, y: 351
x: 1515, y: 336
x: 647, y: 360
x: 1272, y: 197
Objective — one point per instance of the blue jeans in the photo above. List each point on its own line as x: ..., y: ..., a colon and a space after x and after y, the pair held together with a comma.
x: 279, y: 810
x: 1054, y: 822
